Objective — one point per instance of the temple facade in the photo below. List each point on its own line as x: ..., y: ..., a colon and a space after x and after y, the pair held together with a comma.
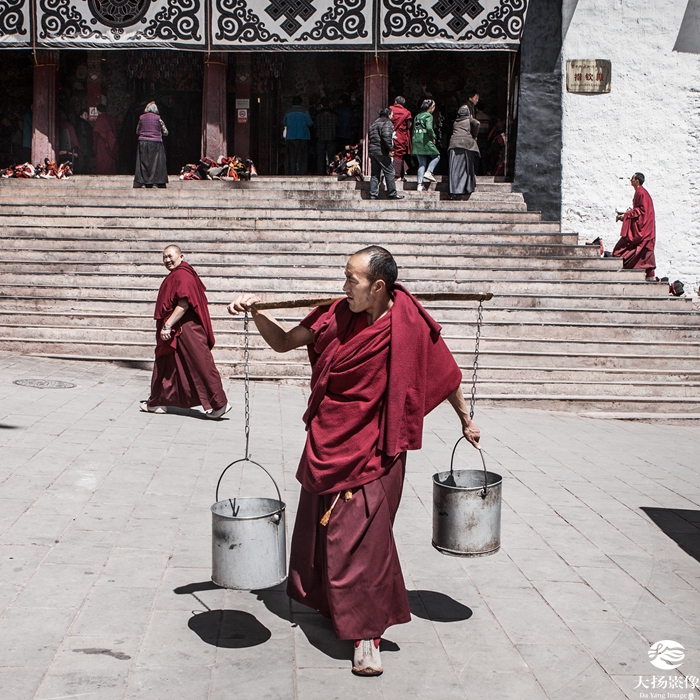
x: 223, y: 73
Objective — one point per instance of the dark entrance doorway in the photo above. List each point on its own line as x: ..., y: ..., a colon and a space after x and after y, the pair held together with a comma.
x: 446, y: 77
x: 125, y: 81
x: 326, y: 78
x: 16, y: 90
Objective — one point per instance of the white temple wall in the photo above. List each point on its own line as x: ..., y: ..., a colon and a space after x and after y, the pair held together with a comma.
x: 649, y: 122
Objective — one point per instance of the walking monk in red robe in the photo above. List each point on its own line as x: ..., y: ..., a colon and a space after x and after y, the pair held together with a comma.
x: 379, y: 366
x: 401, y: 120
x: 184, y: 374
x: 638, y: 236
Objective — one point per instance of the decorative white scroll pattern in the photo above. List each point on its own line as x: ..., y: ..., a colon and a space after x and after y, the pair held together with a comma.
x: 14, y: 23
x: 450, y: 24
x: 334, y: 25
x: 121, y: 23
x: 273, y: 25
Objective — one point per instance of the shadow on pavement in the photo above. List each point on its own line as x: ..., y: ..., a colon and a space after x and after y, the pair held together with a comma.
x: 432, y: 605
x: 5, y: 426
x: 230, y: 629
x: 235, y: 629
x: 682, y: 526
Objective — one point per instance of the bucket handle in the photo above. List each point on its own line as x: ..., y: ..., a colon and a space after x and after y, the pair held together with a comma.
x: 247, y: 459
x: 485, y: 490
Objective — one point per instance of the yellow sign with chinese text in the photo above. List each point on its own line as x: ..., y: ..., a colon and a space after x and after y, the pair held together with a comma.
x: 588, y: 75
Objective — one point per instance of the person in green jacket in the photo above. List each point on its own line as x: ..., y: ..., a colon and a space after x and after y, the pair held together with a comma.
x: 423, y: 143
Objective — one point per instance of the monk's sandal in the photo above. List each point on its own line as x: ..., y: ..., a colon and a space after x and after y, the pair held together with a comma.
x: 152, y: 409
x: 219, y: 412
x: 367, y: 661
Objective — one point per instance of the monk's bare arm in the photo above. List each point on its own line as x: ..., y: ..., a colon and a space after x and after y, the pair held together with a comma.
x: 272, y: 331
x: 470, y: 429
x: 175, y: 316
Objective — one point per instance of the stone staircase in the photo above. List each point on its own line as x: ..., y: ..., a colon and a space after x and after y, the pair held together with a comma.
x: 566, y: 330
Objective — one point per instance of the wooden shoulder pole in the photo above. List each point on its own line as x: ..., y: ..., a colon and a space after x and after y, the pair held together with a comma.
x: 327, y: 301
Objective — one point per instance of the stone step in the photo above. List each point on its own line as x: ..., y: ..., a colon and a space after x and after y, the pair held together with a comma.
x: 230, y: 335
x: 150, y: 258
x: 211, y: 272
x: 234, y: 277
x: 511, y: 251
x: 633, y: 334
x: 336, y: 208
x: 185, y: 198
x: 310, y: 241
x: 110, y: 183
x: 194, y: 221
x: 520, y: 359
x: 144, y: 287
x: 512, y: 308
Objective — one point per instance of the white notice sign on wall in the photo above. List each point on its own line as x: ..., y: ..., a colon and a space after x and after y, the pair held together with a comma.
x: 588, y: 75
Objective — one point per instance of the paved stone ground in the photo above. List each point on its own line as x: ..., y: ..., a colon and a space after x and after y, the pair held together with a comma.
x: 105, y: 553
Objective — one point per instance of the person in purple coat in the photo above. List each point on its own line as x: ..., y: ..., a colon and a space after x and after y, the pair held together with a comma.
x: 151, y: 168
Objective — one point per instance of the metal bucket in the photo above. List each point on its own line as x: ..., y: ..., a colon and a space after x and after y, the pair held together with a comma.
x: 467, y: 510
x: 248, y: 539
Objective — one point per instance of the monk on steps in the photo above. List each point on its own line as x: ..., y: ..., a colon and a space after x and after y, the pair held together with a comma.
x: 379, y: 365
x: 638, y: 235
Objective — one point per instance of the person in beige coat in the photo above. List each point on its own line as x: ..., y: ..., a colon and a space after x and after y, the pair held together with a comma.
x: 463, y: 152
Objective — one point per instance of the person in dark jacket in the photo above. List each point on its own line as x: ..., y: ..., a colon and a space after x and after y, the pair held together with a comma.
x: 463, y: 151
x: 151, y: 168
x: 381, y: 152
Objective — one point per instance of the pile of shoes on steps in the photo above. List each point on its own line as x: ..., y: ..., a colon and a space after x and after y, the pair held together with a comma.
x: 226, y: 167
x: 47, y: 170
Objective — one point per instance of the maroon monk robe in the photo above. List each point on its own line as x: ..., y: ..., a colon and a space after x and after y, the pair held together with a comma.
x: 184, y: 374
x: 104, y: 134
x: 638, y: 236
x: 401, y: 120
x: 371, y: 387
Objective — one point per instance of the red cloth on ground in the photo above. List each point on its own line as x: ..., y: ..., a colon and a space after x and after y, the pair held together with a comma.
x: 638, y: 235
x: 349, y: 570
x: 104, y: 134
x: 371, y: 387
x: 402, y: 140
x: 184, y: 374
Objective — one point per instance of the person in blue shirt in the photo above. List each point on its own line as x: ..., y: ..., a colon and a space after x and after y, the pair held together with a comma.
x: 297, y: 121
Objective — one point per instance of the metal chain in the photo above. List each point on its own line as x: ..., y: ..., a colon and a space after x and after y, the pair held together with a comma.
x: 246, y: 381
x: 475, y: 367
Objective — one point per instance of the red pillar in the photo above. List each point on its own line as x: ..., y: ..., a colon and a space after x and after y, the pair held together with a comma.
x: 376, y: 95
x: 214, y: 142
x: 241, y: 135
x: 44, y: 116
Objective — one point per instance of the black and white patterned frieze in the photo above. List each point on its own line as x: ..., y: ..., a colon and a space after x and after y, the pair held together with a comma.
x: 490, y: 23
x: 14, y: 22
x: 246, y: 25
x: 293, y: 24
x: 127, y: 23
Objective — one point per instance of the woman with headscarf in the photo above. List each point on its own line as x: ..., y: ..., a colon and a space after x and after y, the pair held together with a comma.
x: 463, y: 152
x: 151, y: 168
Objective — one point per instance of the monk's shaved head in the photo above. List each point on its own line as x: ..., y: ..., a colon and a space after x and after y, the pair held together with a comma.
x: 172, y: 257
x: 380, y: 265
